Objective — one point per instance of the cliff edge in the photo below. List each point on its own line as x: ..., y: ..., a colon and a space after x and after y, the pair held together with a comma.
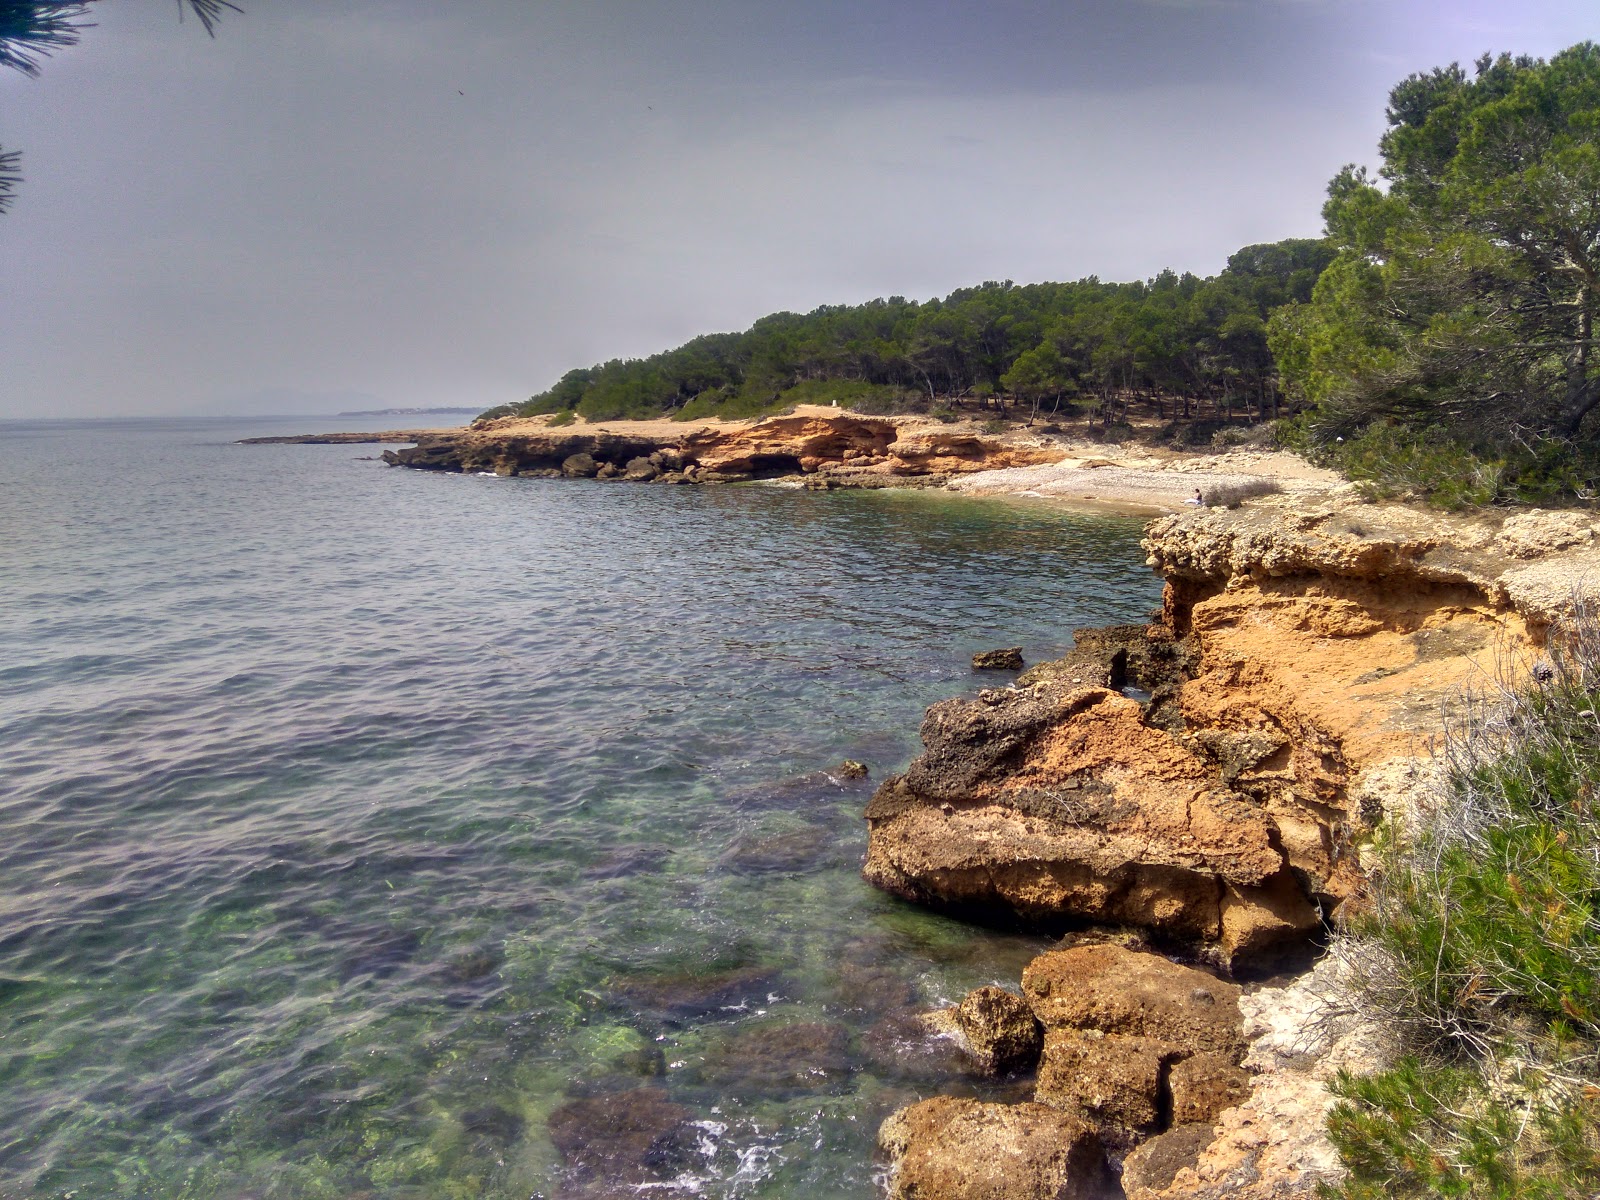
x: 1203, y: 784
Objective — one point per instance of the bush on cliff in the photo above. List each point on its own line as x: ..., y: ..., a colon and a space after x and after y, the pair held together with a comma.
x: 1480, y: 952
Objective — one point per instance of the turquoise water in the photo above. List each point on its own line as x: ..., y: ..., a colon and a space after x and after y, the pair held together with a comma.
x: 373, y: 832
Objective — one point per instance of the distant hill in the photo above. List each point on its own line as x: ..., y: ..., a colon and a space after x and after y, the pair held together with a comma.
x: 402, y: 412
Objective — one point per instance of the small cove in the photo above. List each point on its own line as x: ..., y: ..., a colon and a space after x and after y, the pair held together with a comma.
x: 358, y: 821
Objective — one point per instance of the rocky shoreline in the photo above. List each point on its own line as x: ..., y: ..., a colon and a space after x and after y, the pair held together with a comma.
x: 827, y: 448
x: 1188, y: 802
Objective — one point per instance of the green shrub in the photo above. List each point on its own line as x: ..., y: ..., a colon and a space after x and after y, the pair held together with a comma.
x: 1231, y: 495
x: 565, y: 417
x: 1479, y: 950
x: 1428, y: 464
x: 1392, y: 462
x: 1259, y: 436
x: 1419, y: 1130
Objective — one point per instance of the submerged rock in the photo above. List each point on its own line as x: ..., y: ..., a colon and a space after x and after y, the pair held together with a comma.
x: 632, y: 1137
x: 781, y: 853
x: 680, y: 999
x: 780, y: 1057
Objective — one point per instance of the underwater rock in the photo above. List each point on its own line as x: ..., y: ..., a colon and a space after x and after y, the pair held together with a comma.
x: 954, y: 1149
x: 998, y: 660
x: 622, y: 861
x: 902, y: 1046
x: 492, y: 1121
x: 473, y: 963
x: 380, y: 952
x: 631, y: 1137
x: 865, y: 987
x: 780, y: 1057
x: 788, y: 853
x: 851, y: 769
x: 681, y: 999
x: 1000, y: 1030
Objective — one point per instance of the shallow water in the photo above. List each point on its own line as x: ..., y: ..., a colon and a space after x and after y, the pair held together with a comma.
x: 358, y: 822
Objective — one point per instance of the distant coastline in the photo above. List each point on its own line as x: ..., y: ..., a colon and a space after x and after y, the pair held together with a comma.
x: 404, y: 412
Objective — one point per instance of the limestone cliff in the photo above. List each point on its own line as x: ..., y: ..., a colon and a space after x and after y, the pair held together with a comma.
x: 1207, y: 778
x: 1300, y: 654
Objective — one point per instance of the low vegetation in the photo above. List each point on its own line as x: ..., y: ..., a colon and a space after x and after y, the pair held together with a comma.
x: 1480, y: 954
x: 1231, y: 495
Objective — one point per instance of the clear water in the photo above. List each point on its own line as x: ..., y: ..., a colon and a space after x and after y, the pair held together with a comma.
x: 355, y: 821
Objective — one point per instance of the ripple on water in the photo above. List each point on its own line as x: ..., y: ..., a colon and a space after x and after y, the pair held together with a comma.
x: 358, y: 821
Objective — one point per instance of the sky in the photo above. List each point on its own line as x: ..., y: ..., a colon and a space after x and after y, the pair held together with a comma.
x: 344, y: 204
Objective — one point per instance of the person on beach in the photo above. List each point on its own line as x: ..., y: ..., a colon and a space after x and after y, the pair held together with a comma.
x: 1197, y: 498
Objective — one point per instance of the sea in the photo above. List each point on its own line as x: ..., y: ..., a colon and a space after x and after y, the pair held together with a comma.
x: 368, y: 832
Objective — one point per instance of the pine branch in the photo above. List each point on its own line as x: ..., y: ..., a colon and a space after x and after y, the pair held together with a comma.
x: 10, y: 176
x: 31, y: 31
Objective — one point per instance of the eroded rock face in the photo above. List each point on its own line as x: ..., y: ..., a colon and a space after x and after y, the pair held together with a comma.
x: 950, y: 1149
x: 1135, y: 1043
x: 1000, y: 1030
x: 1060, y: 803
x: 838, y: 448
x: 1297, y: 653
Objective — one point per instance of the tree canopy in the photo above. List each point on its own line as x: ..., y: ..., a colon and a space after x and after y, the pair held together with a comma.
x: 1461, y: 302
x: 1175, y: 339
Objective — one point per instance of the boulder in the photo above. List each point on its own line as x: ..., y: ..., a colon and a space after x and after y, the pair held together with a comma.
x: 953, y: 1149
x: 641, y: 470
x: 998, y: 660
x: 580, y: 466
x: 1133, y: 1042
x: 1203, y: 1085
x: 1151, y: 1165
x: 1112, y: 990
x: 1000, y: 1030
x: 1116, y: 1082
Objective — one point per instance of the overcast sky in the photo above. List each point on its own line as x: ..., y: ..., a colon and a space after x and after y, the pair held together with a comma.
x: 395, y: 202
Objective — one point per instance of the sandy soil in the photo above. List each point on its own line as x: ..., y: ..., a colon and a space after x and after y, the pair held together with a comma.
x: 1157, y: 480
